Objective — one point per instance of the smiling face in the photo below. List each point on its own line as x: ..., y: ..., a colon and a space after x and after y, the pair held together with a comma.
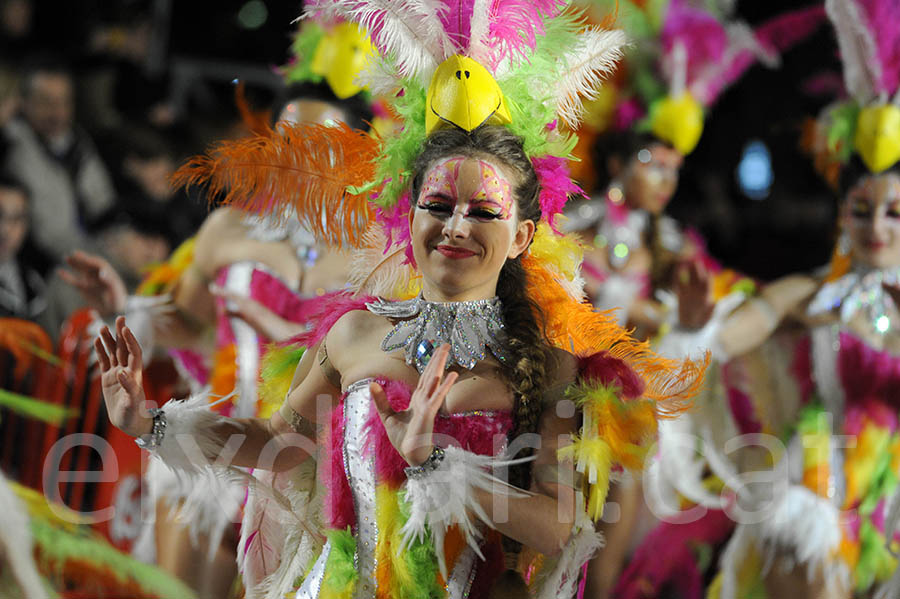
x: 650, y: 179
x: 871, y: 218
x: 465, y: 227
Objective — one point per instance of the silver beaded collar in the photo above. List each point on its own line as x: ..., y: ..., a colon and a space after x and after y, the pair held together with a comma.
x: 469, y: 328
x: 860, y: 289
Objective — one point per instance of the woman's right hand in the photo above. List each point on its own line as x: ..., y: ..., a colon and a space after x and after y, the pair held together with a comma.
x: 121, y: 376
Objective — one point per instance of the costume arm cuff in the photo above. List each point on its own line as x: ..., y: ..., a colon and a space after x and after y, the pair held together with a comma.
x: 446, y: 497
x: 188, y: 441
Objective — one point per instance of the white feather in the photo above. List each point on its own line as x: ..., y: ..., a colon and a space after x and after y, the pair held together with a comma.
x: 410, y: 31
x: 586, y: 65
x: 561, y: 580
x: 16, y: 558
x: 479, y: 31
x: 859, y: 52
x: 380, y: 78
x: 445, y: 497
x: 372, y: 272
x: 273, y: 550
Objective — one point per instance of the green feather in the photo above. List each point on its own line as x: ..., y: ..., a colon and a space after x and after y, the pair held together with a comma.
x: 58, y: 546
x: 35, y: 408
x: 303, y: 50
x: 340, y: 570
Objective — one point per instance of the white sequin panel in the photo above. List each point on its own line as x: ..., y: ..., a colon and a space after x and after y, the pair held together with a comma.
x: 361, y: 472
x: 238, y: 281
x: 313, y: 583
x: 459, y: 584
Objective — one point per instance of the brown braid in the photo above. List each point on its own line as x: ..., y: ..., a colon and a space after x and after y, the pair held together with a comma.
x: 530, y: 356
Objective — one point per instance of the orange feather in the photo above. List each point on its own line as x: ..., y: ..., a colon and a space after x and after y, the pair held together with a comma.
x: 24, y: 340
x: 257, y: 122
x: 576, y: 327
x: 305, y: 166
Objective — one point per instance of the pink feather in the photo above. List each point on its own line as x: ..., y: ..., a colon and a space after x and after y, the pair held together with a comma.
x: 775, y: 36
x: 648, y: 572
x: 515, y: 25
x: 395, y: 223
x: 262, y: 532
x: 703, y: 37
x: 607, y: 370
x: 481, y: 433
x: 338, y: 497
x: 883, y: 18
x: 457, y: 21
x: 326, y: 311
x: 556, y: 186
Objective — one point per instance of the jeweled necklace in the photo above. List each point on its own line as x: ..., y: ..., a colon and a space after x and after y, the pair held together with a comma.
x: 470, y: 327
x: 860, y: 289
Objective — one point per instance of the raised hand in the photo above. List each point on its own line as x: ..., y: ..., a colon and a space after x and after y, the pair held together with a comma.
x: 99, y: 283
x: 692, y: 282
x: 121, y: 376
x: 264, y: 321
x: 410, y: 430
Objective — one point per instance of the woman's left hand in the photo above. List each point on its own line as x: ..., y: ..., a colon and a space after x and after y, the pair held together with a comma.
x: 410, y: 431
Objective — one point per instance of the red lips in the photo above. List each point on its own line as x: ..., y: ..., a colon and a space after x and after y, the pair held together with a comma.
x: 454, y: 252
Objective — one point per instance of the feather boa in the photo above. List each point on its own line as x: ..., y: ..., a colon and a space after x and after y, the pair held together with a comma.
x: 445, y: 498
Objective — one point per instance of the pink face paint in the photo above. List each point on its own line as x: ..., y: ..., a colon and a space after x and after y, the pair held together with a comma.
x: 441, y: 182
x: 492, y: 198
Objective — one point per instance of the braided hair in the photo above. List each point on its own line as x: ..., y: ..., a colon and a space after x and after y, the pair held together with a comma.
x: 530, y: 356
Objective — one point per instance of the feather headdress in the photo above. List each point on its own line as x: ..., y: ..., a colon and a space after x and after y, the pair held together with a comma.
x: 687, y: 56
x: 540, y: 61
x: 868, y: 35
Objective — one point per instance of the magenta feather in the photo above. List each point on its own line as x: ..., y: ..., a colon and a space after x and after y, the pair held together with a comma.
x: 338, y: 496
x: 477, y: 433
x: 394, y: 221
x: 648, y: 573
x: 883, y: 18
x: 324, y: 312
x: 704, y: 39
x: 556, y: 186
x: 774, y: 37
x: 515, y: 25
x: 603, y: 369
x: 457, y: 21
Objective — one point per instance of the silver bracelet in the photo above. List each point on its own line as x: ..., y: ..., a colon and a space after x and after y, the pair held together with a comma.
x: 428, y: 466
x: 154, y: 438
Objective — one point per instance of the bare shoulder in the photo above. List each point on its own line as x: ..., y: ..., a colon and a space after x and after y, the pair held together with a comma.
x: 352, y: 327
x: 215, y: 238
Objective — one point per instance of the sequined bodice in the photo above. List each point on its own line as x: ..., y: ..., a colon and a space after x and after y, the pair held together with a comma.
x: 363, y: 476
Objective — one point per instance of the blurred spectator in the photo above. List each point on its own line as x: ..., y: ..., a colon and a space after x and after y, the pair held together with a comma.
x: 9, y: 105
x: 22, y: 289
x: 16, y: 38
x: 141, y: 162
x: 69, y: 186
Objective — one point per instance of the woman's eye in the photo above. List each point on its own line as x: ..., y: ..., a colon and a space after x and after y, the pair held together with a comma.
x: 893, y: 212
x: 484, y: 214
x: 861, y: 209
x: 437, y: 208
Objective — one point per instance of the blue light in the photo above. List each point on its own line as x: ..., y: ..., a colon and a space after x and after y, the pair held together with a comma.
x: 754, y: 172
